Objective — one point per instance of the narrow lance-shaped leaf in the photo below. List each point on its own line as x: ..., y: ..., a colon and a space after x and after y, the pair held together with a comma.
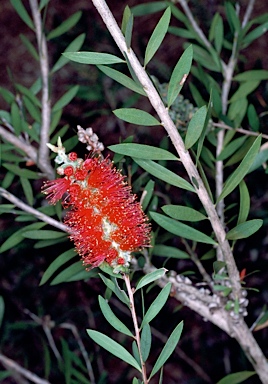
x: 244, y: 230
x: 179, y: 75
x: 66, y: 98
x: 148, y: 8
x: 168, y: 251
x: 2, y: 309
x: 180, y: 212
x: 94, y: 58
x: 136, y: 116
x: 244, y: 203
x: 168, y: 349
x: 157, y: 36
x: 237, y: 377
x: 75, y: 45
x: 19, y: 7
x: 164, y: 174
x: 57, y: 263
x: 146, y: 341
x: 74, y: 272
x: 180, y: 229
x: 142, y: 151
x: 122, y: 79
x: 240, y: 172
x: 112, y: 319
x: 157, y: 305
x: 150, y: 277
x: 65, y: 26
x: 195, y: 127
x: 113, y: 347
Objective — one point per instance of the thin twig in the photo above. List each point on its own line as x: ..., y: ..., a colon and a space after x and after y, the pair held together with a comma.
x: 19, y: 143
x: 240, y: 130
x: 198, y: 263
x: 248, y: 12
x: 43, y: 151
x: 26, y: 208
x: 13, y: 366
x: 73, y: 329
x: 136, y: 327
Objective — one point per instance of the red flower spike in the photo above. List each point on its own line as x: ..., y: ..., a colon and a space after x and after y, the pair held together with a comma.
x: 106, y: 221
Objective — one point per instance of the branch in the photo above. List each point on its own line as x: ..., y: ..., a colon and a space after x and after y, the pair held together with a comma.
x: 43, y: 152
x: 177, y: 141
x: 19, y: 143
x: 26, y: 208
x: 13, y: 366
x: 201, y: 303
x: 241, y: 130
x: 248, y: 12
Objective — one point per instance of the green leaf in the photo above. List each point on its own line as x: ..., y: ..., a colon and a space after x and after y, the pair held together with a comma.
x: 203, y: 57
x: 146, y: 342
x: 107, y: 268
x: 127, y: 25
x: 164, y: 174
x: 195, y: 127
x: 122, y: 79
x: 216, y: 31
x: 157, y: 304
x: 57, y: 263
x: 179, y: 75
x: 74, y: 272
x: 232, y: 17
x: 95, y: 58
x: 25, y: 91
x: 75, y: 45
x: 142, y: 151
x: 231, y: 148
x: 167, y: 251
x: 253, y: 35
x: 148, y: 8
x: 29, y: 46
x: 168, y: 349
x: 2, y: 309
x: 244, y: 203
x: 240, y: 172
x: 157, y: 36
x: 27, y: 189
x: 253, y: 118
x: 260, y: 159
x: 244, y: 230
x: 16, y: 118
x: 151, y: 277
x: 236, y: 378
x: 136, y: 116
x: 18, y: 237
x: 147, y: 194
x: 180, y: 229
x: 32, y: 109
x: 44, y: 234
x: 112, y: 319
x: 237, y: 111
x: 244, y: 89
x: 115, y: 289
x: 113, y: 347
x: 180, y: 212
x: 66, y: 98
x: 253, y: 75
x: 20, y: 9
x: 65, y: 26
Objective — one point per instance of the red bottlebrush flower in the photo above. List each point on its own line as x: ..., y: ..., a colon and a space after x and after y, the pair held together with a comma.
x: 106, y: 221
